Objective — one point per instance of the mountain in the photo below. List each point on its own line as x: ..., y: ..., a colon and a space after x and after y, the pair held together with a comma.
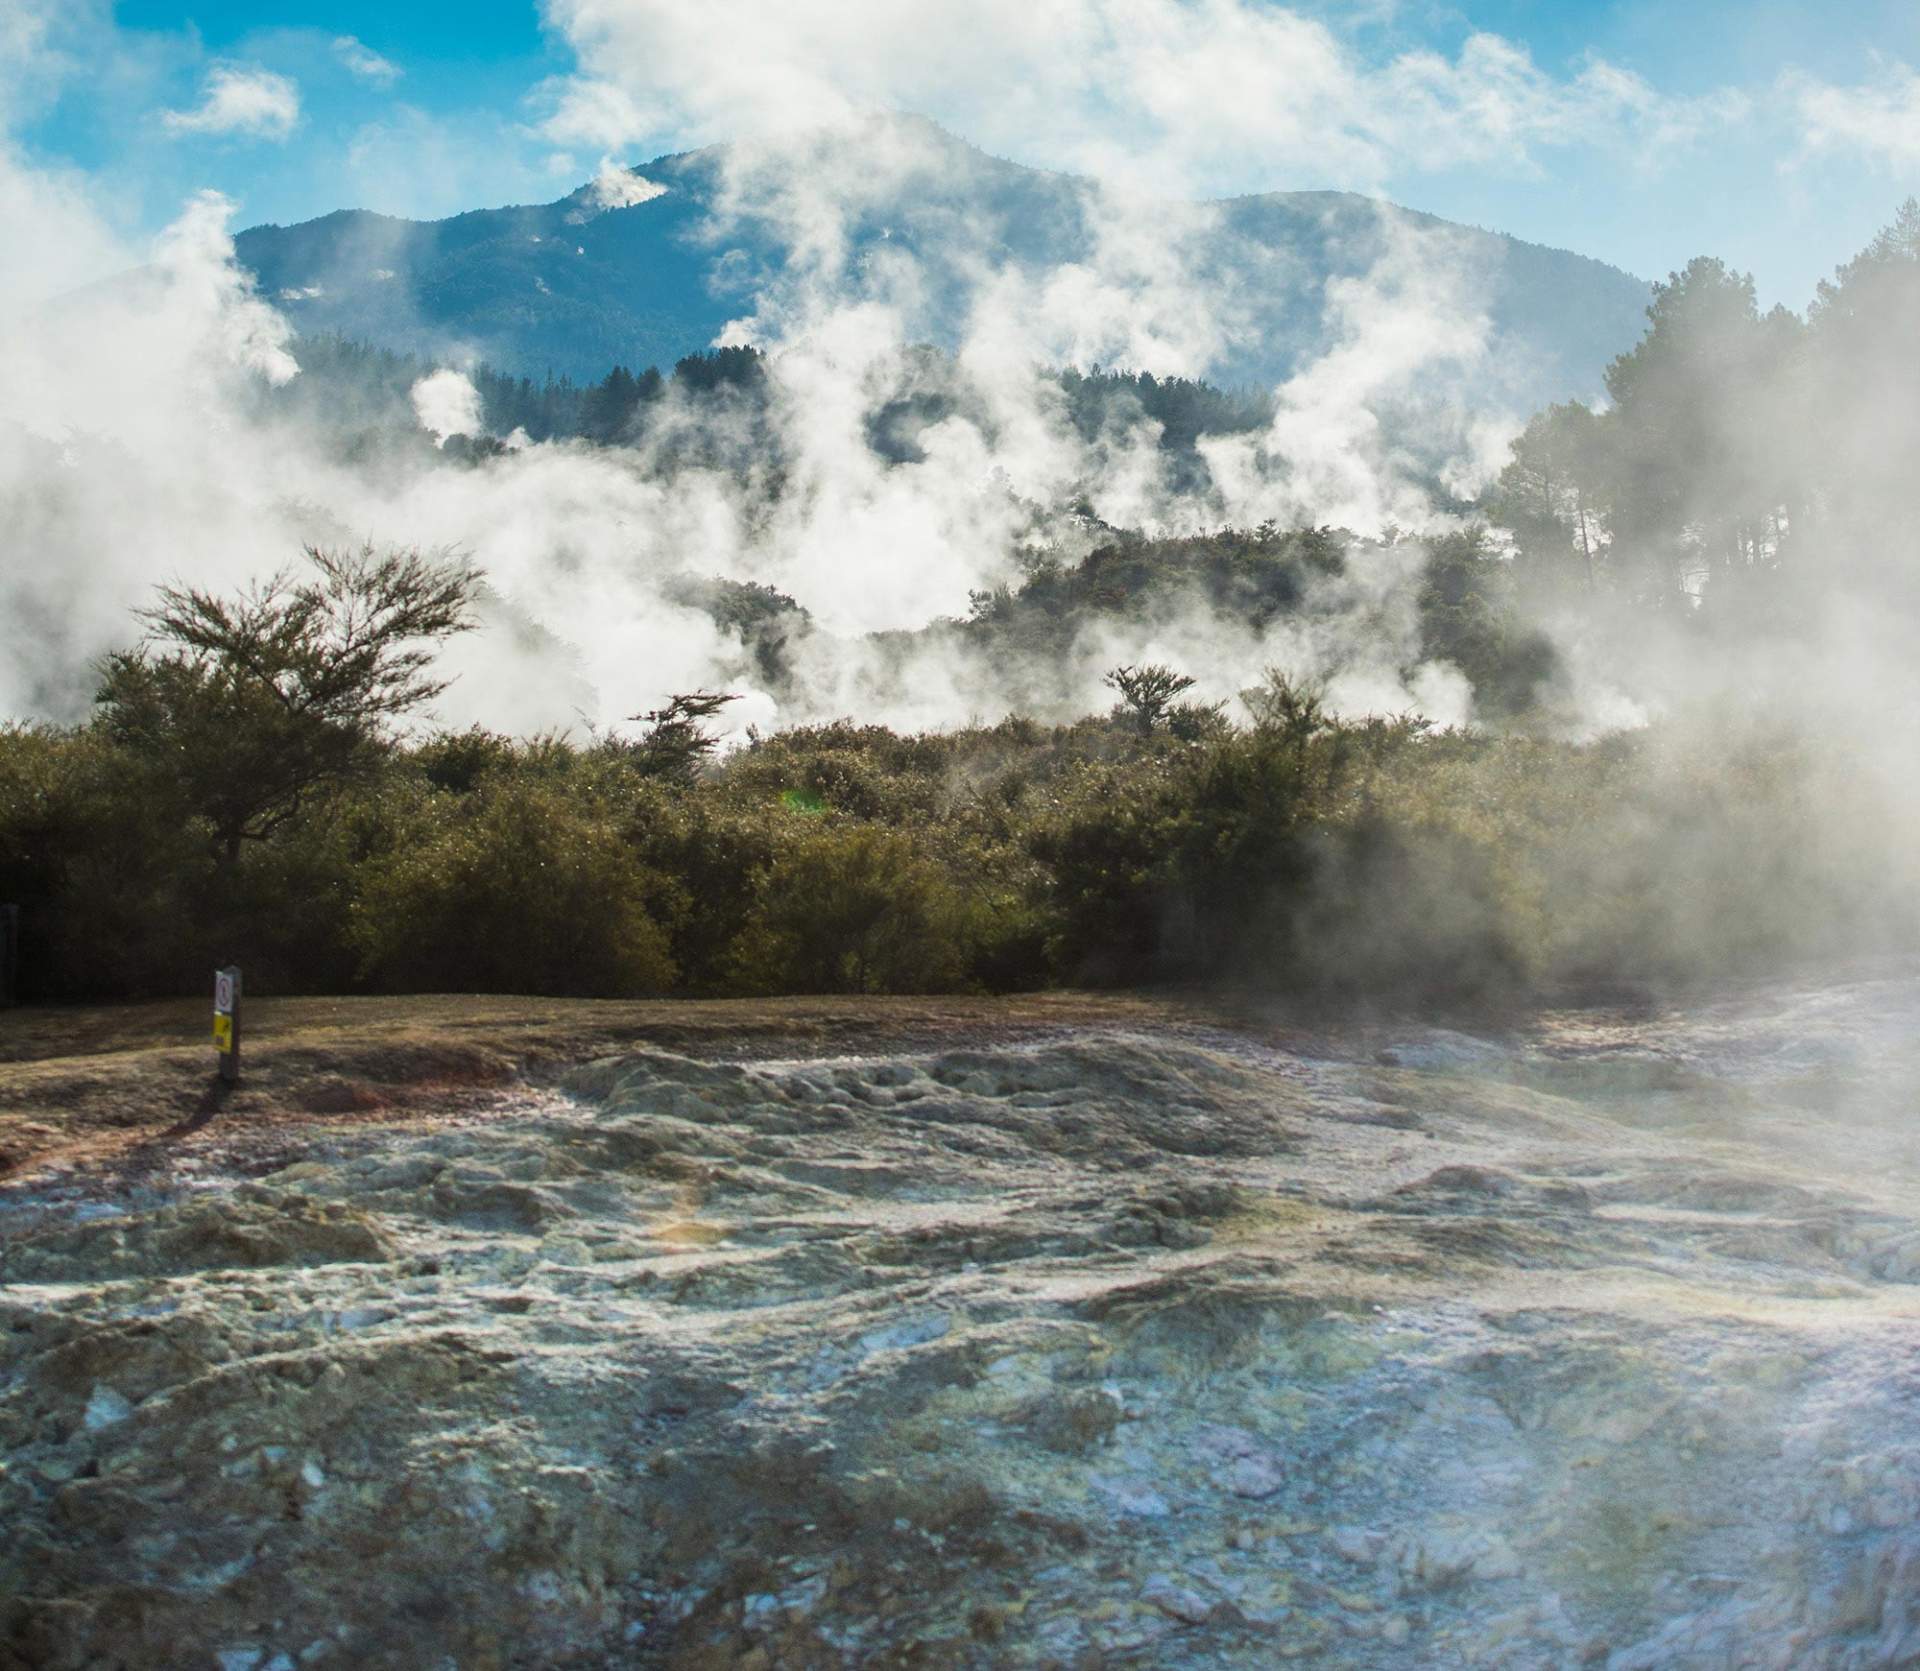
x: 636, y: 269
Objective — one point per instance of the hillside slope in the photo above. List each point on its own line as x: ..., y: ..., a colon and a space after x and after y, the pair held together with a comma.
x: 573, y: 287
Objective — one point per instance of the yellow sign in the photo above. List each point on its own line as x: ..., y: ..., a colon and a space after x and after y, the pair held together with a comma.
x: 223, y: 1032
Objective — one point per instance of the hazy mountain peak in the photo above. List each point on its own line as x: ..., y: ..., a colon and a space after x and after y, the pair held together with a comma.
x: 635, y: 267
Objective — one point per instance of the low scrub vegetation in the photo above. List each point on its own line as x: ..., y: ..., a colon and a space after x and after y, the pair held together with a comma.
x: 1284, y: 849
x: 242, y: 794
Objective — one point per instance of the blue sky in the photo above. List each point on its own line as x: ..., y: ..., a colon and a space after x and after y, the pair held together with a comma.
x: 1775, y: 133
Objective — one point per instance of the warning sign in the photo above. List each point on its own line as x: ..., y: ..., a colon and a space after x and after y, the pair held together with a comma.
x: 226, y: 1022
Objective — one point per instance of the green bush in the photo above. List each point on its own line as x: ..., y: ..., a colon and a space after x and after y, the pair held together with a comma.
x: 458, y: 760
x: 515, y: 887
x: 714, y: 851
x: 854, y: 908
x: 1296, y: 854
x: 1103, y: 837
x: 865, y: 770
x: 285, y: 911
x: 111, y: 875
x: 1402, y: 914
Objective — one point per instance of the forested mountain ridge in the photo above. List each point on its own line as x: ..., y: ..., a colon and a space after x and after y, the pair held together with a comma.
x: 588, y: 281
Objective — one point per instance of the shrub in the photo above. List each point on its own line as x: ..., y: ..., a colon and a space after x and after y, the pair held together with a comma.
x: 1241, y: 861
x: 1402, y: 914
x: 1302, y: 854
x: 1103, y: 836
x: 514, y: 888
x: 458, y: 760
x: 268, y: 698
x: 865, y: 771
x: 854, y: 908
x: 1146, y: 695
x: 110, y: 874
x: 715, y: 851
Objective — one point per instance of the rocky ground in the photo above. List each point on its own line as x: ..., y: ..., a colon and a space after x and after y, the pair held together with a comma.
x: 1099, y: 1337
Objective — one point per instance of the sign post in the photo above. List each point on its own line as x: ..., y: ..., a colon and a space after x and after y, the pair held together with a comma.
x: 9, y: 954
x: 226, y: 1021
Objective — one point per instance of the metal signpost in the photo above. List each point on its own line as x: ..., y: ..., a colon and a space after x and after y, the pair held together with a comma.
x: 9, y: 954
x: 226, y: 1021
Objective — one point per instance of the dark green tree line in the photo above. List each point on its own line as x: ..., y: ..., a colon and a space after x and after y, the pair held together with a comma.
x: 1739, y: 448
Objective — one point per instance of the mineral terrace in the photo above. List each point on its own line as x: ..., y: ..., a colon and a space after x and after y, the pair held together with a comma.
x: 1595, y: 1342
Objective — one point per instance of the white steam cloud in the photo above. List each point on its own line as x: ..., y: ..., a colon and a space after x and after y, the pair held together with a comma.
x: 447, y: 403
x: 133, y: 446
x: 137, y: 409
x: 615, y: 187
x: 1408, y: 331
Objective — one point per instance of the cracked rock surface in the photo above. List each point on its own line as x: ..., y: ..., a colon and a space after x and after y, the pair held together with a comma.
x: 1595, y: 1344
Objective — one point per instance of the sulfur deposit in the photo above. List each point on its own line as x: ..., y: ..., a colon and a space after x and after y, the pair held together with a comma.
x: 1595, y: 1344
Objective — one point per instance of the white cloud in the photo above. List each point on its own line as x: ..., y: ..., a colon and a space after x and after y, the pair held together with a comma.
x: 42, y: 43
x: 241, y: 98
x: 424, y: 164
x: 364, y: 62
x: 1172, y: 91
x: 1879, y: 119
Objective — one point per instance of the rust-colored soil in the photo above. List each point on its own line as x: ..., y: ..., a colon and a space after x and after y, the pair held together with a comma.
x: 115, y: 1092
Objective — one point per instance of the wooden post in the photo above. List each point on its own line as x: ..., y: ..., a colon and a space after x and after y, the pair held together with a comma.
x: 226, y: 1020
x: 9, y: 955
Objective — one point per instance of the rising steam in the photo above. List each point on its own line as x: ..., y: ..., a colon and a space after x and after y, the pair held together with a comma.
x: 141, y: 390
x: 133, y: 446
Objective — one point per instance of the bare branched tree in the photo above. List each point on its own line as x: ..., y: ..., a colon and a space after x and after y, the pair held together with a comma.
x: 676, y: 740
x: 254, y: 703
x: 1287, y: 707
x: 1146, y: 694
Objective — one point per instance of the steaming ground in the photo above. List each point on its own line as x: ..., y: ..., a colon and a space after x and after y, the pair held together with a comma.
x: 1146, y: 1341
